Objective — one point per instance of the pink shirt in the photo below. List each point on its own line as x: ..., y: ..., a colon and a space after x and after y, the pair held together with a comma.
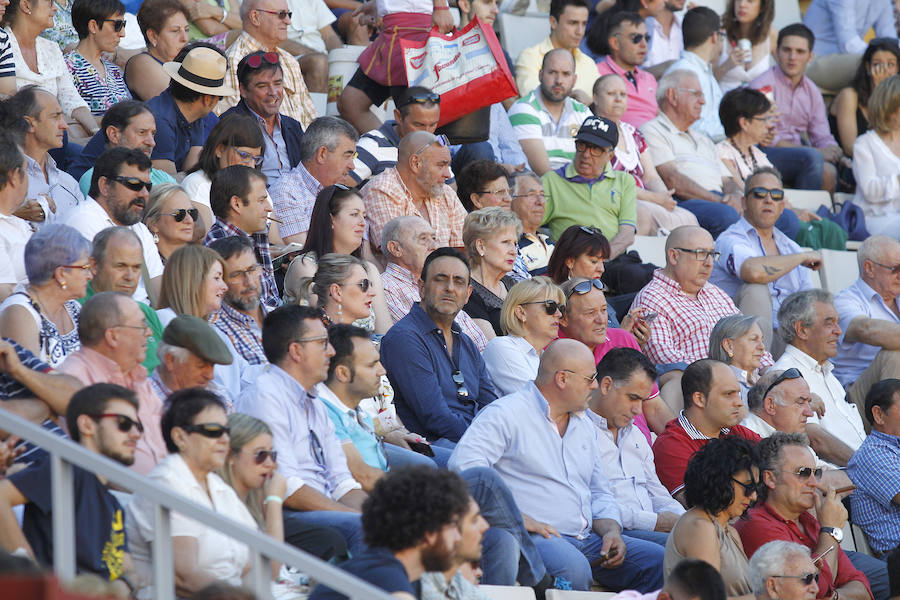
x: 92, y: 367
x: 802, y: 109
x: 641, y: 87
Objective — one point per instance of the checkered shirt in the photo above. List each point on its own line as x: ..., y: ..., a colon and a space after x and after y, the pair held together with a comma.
x: 222, y: 229
x: 387, y: 197
x: 681, y: 331
x: 875, y: 468
x: 294, y: 197
x: 401, y: 292
x: 243, y: 331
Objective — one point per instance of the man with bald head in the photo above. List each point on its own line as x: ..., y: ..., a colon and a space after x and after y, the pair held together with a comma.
x: 416, y: 186
x: 540, y: 441
x: 546, y: 118
x: 869, y: 316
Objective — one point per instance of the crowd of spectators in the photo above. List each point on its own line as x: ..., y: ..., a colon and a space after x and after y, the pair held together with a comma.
x: 438, y: 363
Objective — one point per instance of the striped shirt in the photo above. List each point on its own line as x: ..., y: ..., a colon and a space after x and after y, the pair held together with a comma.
x: 531, y: 121
x: 875, y: 468
x: 293, y: 198
x: 100, y: 93
x: 7, y: 61
x: 243, y: 331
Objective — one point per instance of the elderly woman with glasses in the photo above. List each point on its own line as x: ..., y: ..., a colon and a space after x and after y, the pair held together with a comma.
x: 529, y: 320
x: 42, y: 316
x: 720, y: 483
x: 170, y: 216
x: 737, y: 341
x: 530, y: 204
x: 195, y: 429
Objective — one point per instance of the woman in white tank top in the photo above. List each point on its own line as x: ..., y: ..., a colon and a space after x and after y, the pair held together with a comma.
x: 751, y: 20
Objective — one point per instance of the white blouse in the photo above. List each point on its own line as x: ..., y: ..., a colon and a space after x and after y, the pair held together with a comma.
x: 54, y: 75
x: 876, y: 169
x: 511, y: 361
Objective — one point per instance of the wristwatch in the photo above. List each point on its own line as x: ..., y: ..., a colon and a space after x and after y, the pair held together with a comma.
x: 834, y: 532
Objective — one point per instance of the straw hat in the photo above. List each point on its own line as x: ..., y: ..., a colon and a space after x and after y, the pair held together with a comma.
x: 202, y: 70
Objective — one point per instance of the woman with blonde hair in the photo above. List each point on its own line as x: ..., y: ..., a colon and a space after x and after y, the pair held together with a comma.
x: 171, y: 218
x: 490, y: 236
x: 192, y: 284
x: 876, y: 161
x: 341, y: 289
x: 530, y: 319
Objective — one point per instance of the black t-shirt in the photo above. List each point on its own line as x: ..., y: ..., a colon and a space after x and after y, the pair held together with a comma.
x: 377, y: 566
x: 100, y: 540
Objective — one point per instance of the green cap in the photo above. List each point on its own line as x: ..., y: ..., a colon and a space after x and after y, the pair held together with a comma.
x: 194, y: 334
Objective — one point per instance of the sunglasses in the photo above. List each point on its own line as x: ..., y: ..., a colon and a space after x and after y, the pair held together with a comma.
x: 749, y: 488
x: 133, y: 183
x: 805, y: 579
x: 118, y: 24
x: 261, y: 455
x: 550, y: 306
x: 210, y: 430
x: 583, y: 287
x: 807, y: 472
x: 462, y: 391
x: 591, y: 149
x: 792, y: 373
x: 281, y: 14
x: 254, y: 61
x: 442, y: 139
x: 701, y: 254
x: 245, y: 156
x: 315, y: 446
x: 760, y: 193
x: 181, y: 213
x: 362, y: 284
x: 421, y: 98
x: 637, y: 37
x: 124, y: 422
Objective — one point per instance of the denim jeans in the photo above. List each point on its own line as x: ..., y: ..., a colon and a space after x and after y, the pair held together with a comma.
x: 401, y: 457
x: 875, y: 571
x: 657, y: 537
x: 714, y: 217
x: 347, y: 523
x: 801, y: 168
x: 571, y: 558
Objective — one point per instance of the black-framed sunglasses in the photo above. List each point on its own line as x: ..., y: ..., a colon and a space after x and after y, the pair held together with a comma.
x: 181, y: 213
x: 550, y: 306
x: 209, y: 430
x: 749, y: 488
x: 124, y: 422
x: 135, y: 184
x: 583, y: 287
x: 700, y: 254
x: 804, y: 579
x: 260, y: 456
x: 637, y: 37
x: 760, y: 193
x: 118, y: 24
x: 461, y: 390
x: 792, y: 373
x: 315, y: 447
x: 421, y: 98
x: 590, y: 230
x: 362, y: 284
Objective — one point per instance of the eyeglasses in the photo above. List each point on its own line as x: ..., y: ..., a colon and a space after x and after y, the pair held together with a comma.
x: 144, y: 327
x: 118, y: 24
x: 442, y: 139
x: 691, y: 91
x: 249, y: 273
x: 807, y: 472
x: 760, y: 193
x: 208, y: 430
x: 181, y: 213
x: 767, y: 119
x: 590, y: 379
x: 535, y: 193
x: 254, y: 61
x: 84, y: 268
x: 124, y: 422
x: 637, y: 37
x: 260, y: 456
x: 700, y: 254
x: 421, y: 98
x: 804, y: 579
x: 792, y: 373
x: 749, y: 488
x: 315, y: 447
x: 134, y: 184
x: 249, y: 156
x: 894, y: 270
x: 281, y: 14
x: 362, y: 284
x: 590, y: 230
x: 550, y: 306
x: 501, y: 192
x: 322, y: 339
x: 583, y: 287
x: 462, y: 391
x: 590, y: 148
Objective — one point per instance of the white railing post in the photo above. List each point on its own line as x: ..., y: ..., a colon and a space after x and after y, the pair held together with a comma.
x: 260, y: 575
x: 163, y: 564
x: 63, y: 506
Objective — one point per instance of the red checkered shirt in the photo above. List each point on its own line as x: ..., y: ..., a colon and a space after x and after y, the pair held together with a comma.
x: 387, y: 197
x: 681, y: 331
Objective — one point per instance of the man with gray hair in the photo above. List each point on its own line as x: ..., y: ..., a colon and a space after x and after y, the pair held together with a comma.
x: 405, y: 242
x: 869, y: 315
x: 327, y: 151
x: 688, y: 161
x: 808, y: 325
x: 782, y: 570
x: 529, y: 203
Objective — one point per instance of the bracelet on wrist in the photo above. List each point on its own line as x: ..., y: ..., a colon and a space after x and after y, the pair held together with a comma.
x: 273, y: 498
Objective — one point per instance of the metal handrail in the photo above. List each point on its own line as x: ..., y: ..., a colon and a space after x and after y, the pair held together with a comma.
x: 65, y: 453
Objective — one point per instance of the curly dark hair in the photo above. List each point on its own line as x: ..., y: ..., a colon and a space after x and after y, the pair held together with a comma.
x: 574, y: 242
x: 708, y: 478
x: 862, y: 81
x: 409, y: 502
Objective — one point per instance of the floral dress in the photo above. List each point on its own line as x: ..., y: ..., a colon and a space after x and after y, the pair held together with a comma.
x: 99, y: 92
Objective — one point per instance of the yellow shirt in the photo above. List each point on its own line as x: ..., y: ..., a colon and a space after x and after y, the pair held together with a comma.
x: 529, y: 63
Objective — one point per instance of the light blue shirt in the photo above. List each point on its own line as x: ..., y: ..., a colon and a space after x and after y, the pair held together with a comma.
x: 275, y: 156
x: 511, y: 361
x: 740, y: 242
x: 58, y: 184
x: 354, y: 426
x: 708, y: 124
x: 840, y: 24
x: 875, y: 468
x: 503, y: 139
x: 309, y: 452
x: 555, y: 479
x: 858, y: 300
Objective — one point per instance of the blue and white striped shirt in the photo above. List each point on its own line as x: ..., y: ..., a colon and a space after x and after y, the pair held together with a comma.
x: 875, y: 468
